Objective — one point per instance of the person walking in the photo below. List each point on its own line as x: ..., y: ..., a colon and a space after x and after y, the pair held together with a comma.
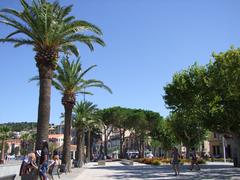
x: 194, y: 160
x: 175, y: 161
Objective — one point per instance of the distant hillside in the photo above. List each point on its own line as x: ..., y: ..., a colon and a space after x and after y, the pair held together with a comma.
x: 21, y: 126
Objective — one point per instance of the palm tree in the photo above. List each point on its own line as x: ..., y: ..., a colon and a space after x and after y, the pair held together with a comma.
x: 4, y: 134
x: 85, y: 117
x: 49, y: 29
x: 25, y: 138
x: 68, y: 79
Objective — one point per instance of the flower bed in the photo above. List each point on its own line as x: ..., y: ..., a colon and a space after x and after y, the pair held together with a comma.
x: 159, y: 161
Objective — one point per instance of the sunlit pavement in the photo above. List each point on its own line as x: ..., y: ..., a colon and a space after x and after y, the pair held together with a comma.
x: 115, y: 170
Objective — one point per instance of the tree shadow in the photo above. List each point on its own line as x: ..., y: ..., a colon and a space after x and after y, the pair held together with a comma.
x: 166, y: 172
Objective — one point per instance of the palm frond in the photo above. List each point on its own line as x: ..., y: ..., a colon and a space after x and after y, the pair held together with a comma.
x: 49, y: 25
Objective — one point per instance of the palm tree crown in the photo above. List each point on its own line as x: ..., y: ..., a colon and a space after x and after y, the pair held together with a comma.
x: 49, y: 28
x: 68, y: 79
x: 85, y: 114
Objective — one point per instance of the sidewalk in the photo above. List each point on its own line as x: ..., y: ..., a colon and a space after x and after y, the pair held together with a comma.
x: 115, y: 170
x: 73, y: 175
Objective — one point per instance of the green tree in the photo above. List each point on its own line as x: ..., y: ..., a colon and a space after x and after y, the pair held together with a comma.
x: 161, y: 132
x: 116, y: 117
x: 68, y: 79
x: 138, y: 117
x: 106, y: 117
x: 166, y: 136
x: 183, y: 97
x: 155, y: 144
x: 25, y: 141
x: 222, y: 97
x: 83, y: 117
x: 4, y: 134
x: 49, y: 29
x: 187, y: 130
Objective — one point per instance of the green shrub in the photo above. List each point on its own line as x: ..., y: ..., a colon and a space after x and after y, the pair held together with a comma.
x: 185, y: 161
x: 147, y: 161
x: 166, y: 161
x: 156, y: 162
x: 222, y: 160
x: 201, y: 161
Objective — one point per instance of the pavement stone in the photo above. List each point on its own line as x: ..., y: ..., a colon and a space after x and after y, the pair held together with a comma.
x: 116, y: 170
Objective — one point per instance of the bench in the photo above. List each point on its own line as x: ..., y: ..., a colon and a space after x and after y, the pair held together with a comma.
x: 127, y: 162
x: 9, y: 177
x: 101, y: 162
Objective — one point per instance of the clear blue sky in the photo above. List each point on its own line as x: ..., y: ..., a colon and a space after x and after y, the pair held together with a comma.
x: 147, y: 42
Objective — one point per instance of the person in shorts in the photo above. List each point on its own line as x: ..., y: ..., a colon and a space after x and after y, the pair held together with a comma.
x: 175, y: 161
x: 194, y: 160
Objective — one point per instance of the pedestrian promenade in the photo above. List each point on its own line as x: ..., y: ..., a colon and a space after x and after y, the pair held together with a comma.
x: 116, y: 170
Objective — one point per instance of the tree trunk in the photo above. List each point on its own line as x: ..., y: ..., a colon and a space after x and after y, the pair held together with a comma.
x: 187, y: 152
x: 154, y: 151
x: 3, y: 149
x: 45, y: 74
x: 79, y: 153
x: 105, y: 142
x: 142, y: 145
x: 121, y: 145
x: 122, y: 139
x: 82, y: 157
x: 89, y: 146
x: 67, y: 136
x: 236, y: 150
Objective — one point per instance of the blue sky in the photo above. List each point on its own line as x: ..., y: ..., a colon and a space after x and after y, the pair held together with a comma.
x: 147, y: 42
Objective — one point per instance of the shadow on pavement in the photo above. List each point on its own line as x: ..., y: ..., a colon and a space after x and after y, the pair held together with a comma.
x: 166, y: 172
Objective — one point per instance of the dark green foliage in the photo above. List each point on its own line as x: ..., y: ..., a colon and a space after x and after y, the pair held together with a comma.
x: 49, y: 28
x: 21, y: 126
x: 6, y: 147
x: 184, y: 97
x: 163, y: 133
x: 223, y: 92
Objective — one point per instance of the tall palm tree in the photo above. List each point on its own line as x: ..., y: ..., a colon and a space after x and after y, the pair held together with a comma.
x: 49, y: 29
x: 68, y: 79
x: 4, y: 134
x: 85, y: 117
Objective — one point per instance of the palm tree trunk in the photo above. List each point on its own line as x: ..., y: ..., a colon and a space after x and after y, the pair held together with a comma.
x: 81, y: 159
x: 79, y: 156
x: 78, y: 148
x: 45, y: 74
x: 67, y: 136
x: 89, y: 146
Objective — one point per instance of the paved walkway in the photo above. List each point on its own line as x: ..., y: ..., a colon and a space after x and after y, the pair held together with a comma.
x: 115, y: 171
